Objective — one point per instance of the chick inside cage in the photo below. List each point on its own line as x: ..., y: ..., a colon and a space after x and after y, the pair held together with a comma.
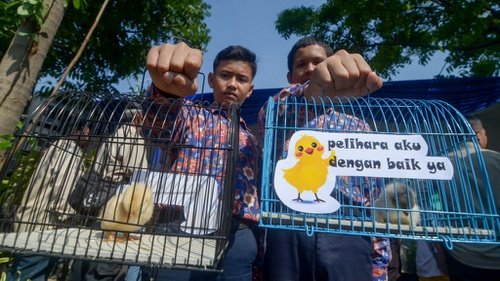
x: 101, y: 177
x: 375, y: 167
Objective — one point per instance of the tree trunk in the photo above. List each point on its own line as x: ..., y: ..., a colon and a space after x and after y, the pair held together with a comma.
x: 21, y: 65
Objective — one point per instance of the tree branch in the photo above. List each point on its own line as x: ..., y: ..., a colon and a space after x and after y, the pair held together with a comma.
x: 479, y: 46
x: 82, y: 48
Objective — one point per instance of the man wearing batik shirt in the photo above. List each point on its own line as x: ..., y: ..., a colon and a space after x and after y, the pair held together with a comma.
x: 202, y: 141
x: 292, y: 255
x: 202, y: 138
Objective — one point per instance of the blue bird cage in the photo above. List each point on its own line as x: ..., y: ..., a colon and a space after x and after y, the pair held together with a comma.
x: 395, y: 168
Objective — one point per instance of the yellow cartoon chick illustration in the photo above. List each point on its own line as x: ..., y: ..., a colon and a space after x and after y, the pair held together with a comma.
x: 311, y: 170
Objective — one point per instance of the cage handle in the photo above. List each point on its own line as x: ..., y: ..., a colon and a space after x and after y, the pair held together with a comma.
x: 309, y: 229
x: 448, y: 243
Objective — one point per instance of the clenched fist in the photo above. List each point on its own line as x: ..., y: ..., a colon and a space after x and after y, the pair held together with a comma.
x: 343, y: 74
x: 173, y: 68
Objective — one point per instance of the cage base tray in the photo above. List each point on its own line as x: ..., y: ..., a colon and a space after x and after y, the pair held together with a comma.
x: 162, y: 250
x: 343, y: 226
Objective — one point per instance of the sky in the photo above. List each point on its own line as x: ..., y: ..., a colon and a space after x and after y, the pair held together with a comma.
x: 250, y: 23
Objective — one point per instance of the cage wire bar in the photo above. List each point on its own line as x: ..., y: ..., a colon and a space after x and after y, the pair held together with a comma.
x: 182, y: 205
x: 458, y: 210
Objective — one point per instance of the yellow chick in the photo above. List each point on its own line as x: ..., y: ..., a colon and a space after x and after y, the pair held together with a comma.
x: 311, y: 170
x: 127, y: 212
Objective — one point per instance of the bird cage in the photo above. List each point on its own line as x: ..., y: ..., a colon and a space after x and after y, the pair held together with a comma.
x: 113, y: 178
x: 394, y: 168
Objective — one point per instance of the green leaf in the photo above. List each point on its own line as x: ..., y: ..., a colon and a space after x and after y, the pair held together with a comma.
x: 24, y: 33
x: 12, y: 4
x: 5, y: 144
x: 76, y: 4
x: 22, y: 11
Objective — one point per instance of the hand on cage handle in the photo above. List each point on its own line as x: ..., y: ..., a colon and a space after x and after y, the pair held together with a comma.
x: 174, y: 68
x: 343, y: 74
x: 328, y: 88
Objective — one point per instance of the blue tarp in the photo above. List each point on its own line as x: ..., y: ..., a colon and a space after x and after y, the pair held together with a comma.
x: 467, y: 95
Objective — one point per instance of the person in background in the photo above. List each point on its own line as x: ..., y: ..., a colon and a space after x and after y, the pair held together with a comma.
x: 315, y: 70
x: 116, y: 159
x: 469, y: 261
x: 173, y: 69
x: 478, y: 128
x: 424, y: 260
x: 45, y: 200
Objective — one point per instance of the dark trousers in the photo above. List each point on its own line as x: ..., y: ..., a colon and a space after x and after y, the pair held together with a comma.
x: 32, y: 267
x: 458, y: 271
x: 92, y: 271
x: 237, y: 263
x: 294, y: 256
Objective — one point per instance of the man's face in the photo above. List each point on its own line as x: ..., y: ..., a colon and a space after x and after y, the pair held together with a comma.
x: 481, y: 136
x: 83, y: 137
x: 231, y: 82
x: 304, y: 62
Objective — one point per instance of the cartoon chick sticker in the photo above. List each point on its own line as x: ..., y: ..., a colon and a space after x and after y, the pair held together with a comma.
x: 303, y: 181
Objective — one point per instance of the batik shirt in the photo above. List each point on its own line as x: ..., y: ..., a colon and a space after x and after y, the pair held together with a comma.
x: 201, y: 135
x: 351, y: 190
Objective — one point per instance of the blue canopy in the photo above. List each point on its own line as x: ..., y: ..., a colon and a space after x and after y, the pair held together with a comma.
x: 467, y: 95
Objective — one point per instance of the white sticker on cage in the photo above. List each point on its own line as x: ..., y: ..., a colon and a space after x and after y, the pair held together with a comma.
x: 305, y: 179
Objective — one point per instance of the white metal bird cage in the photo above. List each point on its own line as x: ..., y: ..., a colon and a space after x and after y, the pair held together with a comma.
x: 394, y: 168
x: 78, y: 150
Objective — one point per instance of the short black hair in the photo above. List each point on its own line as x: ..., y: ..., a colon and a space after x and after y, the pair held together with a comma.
x: 238, y: 53
x: 304, y: 42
